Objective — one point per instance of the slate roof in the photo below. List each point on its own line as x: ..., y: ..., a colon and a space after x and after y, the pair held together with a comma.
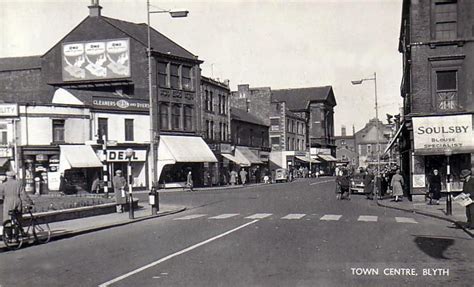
x: 300, y: 98
x: 20, y: 63
x: 243, y: 116
x: 159, y: 42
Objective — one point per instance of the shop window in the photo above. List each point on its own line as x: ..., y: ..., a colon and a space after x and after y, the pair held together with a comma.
x: 186, y: 75
x: 174, y: 76
x: 176, y: 117
x: 3, y: 135
x: 446, y: 20
x: 129, y: 130
x: 446, y: 90
x: 163, y: 74
x: 164, y: 116
x: 188, y: 118
x: 103, y: 128
x: 58, y: 131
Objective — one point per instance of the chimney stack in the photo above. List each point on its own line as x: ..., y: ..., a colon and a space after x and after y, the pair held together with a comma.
x: 94, y: 8
x: 343, y: 131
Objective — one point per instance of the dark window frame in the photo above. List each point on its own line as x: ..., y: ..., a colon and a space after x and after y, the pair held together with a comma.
x: 129, y: 129
x: 103, y: 128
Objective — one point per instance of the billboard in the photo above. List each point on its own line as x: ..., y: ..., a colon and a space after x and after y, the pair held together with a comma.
x: 96, y: 60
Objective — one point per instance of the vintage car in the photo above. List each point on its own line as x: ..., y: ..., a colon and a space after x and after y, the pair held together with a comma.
x: 281, y: 175
x: 357, y: 183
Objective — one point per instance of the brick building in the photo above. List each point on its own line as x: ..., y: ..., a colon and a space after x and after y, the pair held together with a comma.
x: 346, y: 152
x: 436, y: 42
x: 366, y: 141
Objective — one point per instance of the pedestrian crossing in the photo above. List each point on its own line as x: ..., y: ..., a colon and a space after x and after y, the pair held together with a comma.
x: 299, y: 216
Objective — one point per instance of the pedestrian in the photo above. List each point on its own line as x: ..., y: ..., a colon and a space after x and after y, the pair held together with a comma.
x: 434, y: 187
x: 468, y: 188
x: 369, y: 184
x: 233, y: 177
x: 397, y: 185
x: 345, y: 184
x: 96, y: 185
x: 243, y: 176
x: 13, y: 193
x: 120, y: 184
x: 258, y: 175
x: 189, y: 181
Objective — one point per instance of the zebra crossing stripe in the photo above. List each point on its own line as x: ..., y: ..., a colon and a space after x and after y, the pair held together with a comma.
x: 192, y: 216
x: 405, y: 220
x: 294, y: 216
x: 258, y: 216
x: 367, y: 218
x: 224, y: 216
x: 330, y: 217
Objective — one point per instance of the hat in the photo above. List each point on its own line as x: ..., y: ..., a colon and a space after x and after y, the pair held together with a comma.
x: 118, y: 171
x: 465, y: 173
x: 10, y: 173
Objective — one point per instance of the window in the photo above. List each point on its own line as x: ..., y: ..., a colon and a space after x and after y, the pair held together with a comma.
x: 103, y: 128
x: 369, y: 148
x: 164, y: 116
x: 298, y: 144
x: 174, y: 76
x: 262, y: 135
x: 446, y: 20
x: 58, y: 130
x: 220, y: 104
x: 3, y: 135
x: 163, y: 74
x: 211, y: 102
x: 188, y: 118
x: 251, y: 137
x: 275, y: 140
x: 206, y: 101
x: 446, y: 90
x: 176, y: 117
x: 128, y: 129
x: 187, y: 78
x: 288, y: 146
x: 208, y: 130
x: 226, y: 134
x: 212, y: 130
x: 238, y: 135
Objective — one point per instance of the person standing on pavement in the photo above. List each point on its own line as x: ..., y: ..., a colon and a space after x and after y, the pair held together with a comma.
x: 369, y: 184
x: 13, y: 193
x: 468, y: 188
x: 243, y: 176
x: 434, y: 187
x: 233, y: 177
x: 397, y: 185
x: 189, y: 181
x: 120, y: 184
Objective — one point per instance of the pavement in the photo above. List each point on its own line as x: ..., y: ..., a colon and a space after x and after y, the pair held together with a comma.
x: 458, y: 216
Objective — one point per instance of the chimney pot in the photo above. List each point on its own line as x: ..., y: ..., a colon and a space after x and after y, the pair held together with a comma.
x: 94, y: 9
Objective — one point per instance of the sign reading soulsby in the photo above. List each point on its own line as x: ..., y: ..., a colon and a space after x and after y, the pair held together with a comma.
x: 437, y: 135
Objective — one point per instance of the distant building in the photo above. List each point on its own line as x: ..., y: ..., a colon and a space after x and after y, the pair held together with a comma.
x: 346, y: 151
x: 366, y: 143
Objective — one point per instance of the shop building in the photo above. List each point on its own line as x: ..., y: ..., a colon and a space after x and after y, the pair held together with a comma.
x: 215, y: 123
x: 371, y: 142
x: 438, y: 71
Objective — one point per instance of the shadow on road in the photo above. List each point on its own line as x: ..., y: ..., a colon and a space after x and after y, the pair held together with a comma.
x: 433, y: 246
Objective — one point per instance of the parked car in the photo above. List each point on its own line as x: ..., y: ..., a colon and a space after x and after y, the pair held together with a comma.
x: 357, y: 183
x: 281, y: 175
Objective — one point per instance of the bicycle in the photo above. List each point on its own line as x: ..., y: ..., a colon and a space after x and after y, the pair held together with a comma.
x: 14, y: 233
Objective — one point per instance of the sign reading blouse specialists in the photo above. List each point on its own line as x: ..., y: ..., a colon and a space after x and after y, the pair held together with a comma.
x: 94, y: 60
x: 436, y: 135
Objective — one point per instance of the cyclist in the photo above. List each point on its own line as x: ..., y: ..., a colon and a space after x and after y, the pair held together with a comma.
x: 12, y: 191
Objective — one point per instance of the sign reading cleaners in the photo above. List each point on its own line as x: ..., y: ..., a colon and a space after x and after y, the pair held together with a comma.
x: 436, y: 135
x: 106, y: 59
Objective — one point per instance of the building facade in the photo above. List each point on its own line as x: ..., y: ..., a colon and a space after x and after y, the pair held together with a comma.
x: 346, y: 151
x: 371, y: 142
x: 438, y: 70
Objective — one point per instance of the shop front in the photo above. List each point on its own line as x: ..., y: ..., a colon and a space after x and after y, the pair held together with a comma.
x: 328, y: 162
x: 249, y: 159
x: 117, y: 160
x: 39, y: 169
x: 445, y: 143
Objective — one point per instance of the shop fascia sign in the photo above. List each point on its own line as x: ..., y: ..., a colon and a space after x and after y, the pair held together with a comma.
x: 435, y: 135
x: 8, y: 110
x: 119, y: 155
x: 316, y: 151
x: 120, y: 104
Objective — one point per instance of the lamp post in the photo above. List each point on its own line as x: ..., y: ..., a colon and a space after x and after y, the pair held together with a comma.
x: 154, y: 129
x: 128, y: 155
x: 449, y: 207
x: 358, y: 82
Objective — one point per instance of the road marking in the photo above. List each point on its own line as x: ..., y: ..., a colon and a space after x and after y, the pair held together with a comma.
x: 367, y: 218
x: 258, y: 216
x: 224, y: 216
x: 294, y: 216
x: 330, y: 217
x: 405, y: 220
x: 320, y: 182
x: 192, y: 216
x: 110, y: 282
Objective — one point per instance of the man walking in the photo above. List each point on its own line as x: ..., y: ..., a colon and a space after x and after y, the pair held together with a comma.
x: 243, y: 176
x: 12, y: 191
x: 119, y: 189
x: 468, y: 188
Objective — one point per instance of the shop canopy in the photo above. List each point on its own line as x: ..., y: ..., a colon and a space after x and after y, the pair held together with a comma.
x: 243, y: 157
x: 77, y: 156
x: 173, y: 149
x: 3, y: 161
x: 393, y: 140
x: 238, y: 158
x: 327, y: 157
x: 307, y: 159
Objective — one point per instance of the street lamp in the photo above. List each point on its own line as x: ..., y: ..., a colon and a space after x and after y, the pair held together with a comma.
x: 129, y: 153
x: 154, y: 130
x: 358, y: 82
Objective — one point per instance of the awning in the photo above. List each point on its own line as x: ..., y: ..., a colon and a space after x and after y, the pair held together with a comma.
x: 238, y: 159
x: 248, y: 154
x: 394, y: 139
x: 327, y: 157
x: 173, y: 149
x: 307, y: 159
x: 4, y: 160
x: 77, y: 156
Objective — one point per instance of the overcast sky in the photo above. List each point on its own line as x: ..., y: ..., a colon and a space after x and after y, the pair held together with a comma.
x: 280, y: 44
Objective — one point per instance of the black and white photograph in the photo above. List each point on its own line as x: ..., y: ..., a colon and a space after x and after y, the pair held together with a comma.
x: 239, y: 143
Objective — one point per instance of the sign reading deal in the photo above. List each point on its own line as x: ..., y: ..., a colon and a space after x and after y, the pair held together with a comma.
x: 436, y: 135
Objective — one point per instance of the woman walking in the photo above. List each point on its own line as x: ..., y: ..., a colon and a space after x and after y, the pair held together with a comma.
x: 397, y: 185
x: 434, y: 187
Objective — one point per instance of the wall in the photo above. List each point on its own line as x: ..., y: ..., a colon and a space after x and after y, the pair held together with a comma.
x: 245, y: 130
x: 258, y: 99
x: 217, y: 89
x: 116, y: 126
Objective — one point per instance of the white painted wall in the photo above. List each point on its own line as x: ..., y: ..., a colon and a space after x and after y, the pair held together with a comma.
x: 116, y: 126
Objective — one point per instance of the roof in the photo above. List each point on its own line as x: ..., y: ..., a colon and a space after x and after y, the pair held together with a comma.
x: 32, y: 97
x: 300, y: 98
x: 20, y: 63
x: 293, y: 115
x: 243, y: 116
x: 159, y: 42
